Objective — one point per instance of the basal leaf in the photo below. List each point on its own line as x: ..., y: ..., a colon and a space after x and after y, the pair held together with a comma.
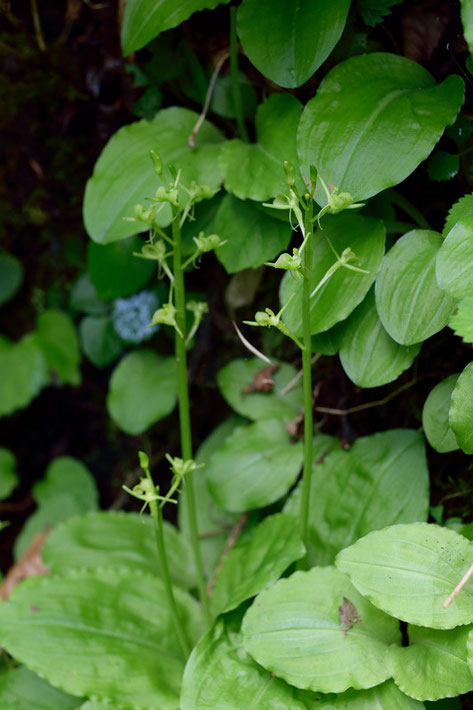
x: 410, y: 570
x: 298, y: 36
x: 56, y: 335
x: 296, y: 630
x: 99, y: 340
x: 11, y: 276
x: 462, y: 320
x: 410, y: 303
x: 460, y: 415
x: 20, y: 689
x: 27, y: 373
x: 460, y: 210
x: 115, y: 271
x: 374, y: 118
x: 8, y: 473
x: 435, y: 416
x: 454, y: 267
x: 386, y: 696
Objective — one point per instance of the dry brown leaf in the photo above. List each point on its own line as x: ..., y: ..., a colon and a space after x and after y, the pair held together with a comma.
x: 30, y: 565
x: 262, y: 381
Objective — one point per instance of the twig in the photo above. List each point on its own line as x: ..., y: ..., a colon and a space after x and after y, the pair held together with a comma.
x: 292, y: 383
x: 232, y: 538
x: 458, y: 588
x: 37, y: 26
x: 367, y: 405
x: 249, y: 346
x: 208, y: 98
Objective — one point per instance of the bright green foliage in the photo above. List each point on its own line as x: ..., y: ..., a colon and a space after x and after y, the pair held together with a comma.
x: 462, y: 320
x: 435, y: 416
x: 11, y: 276
x: 20, y: 689
x: 112, y: 192
x: 91, y: 541
x: 256, y: 465
x: 218, y: 659
x: 143, y: 390
x: 8, y: 474
x: 345, y: 289
x: 114, y: 271
x: 56, y: 335
x: 410, y: 303
x: 276, y: 404
x: 258, y: 559
x: 373, y: 120
x: 252, y: 236
x: 295, y: 629
x: 386, y: 696
x: 461, y: 410
x: 370, y: 357
x: 434, y: 664
x: 467, y: 21
x: 454, y: 267
x: 123, y: 645
x: 410, y: 570
x: 146, y: 19
x: 461, y: 210
x: 298, y: 36
x: 381, y: 480
x: 25, y: 364
x: 254, y: 171
x: 99, y: 340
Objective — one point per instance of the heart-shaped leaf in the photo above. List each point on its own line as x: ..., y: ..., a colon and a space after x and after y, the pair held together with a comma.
x: 99, y: 340
x: 435, y: 416
x: 57, y: 337
x: 27, y: 373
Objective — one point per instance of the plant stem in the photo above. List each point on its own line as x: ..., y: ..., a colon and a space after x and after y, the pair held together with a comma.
x: 184, y: 410
x: 235, y: 78
x: 409, y: 209
x: 307, y: 375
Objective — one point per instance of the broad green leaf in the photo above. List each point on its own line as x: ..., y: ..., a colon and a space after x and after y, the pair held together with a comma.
x: 257, y: 560
x: 460, y: 416
x: 434, y: 665
x: 146, y: 19
x: 27, y: 373
x: 370, y: 357
x: 56, y: 335
x: 410, y: 303
x: 240, y: 374
x: 382, y: 480
x: 467, y: 21
x: 329, y: 342
x: 113, y: 269
x: 68, y: 475
x: 117, y: 628
x: 374, y: 118
x: 298, y: 36
x: 222, y: 97
x: 460, y: 210
x: 386, y: 696
x: 256, y: 465
x: 345, y: 289
x: 11, y: 276
x: 8, y: 473
x: 462, y: 320
x: 252, y: 236
x: 99, y: 340
x: 84, y: 297
x: 91, y: 541
x: 221, y: 675
x: 20, y: 689
x: 143, y: 390
x: 112, y: 192
x: 296, y: 630
x: 435, y: 416
x: 454, y: 267
x: 255, y: 171
x: 92, y: 705
x: 410, y: 570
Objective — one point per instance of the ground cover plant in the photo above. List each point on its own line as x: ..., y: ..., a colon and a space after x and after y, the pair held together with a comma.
x: 274, y: 561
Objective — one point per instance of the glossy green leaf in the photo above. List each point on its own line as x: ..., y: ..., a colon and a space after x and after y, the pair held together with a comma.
x: 386, y: 696
x: 460, y: 210
x: 370, y: 357
x: 99, y: 340
x: 467, y: 21
x: 462, y: 320
x: 329, y: 342
x: 294, y: 629
x: 435, y: 416
x: 57, y: 337
x: 252, y: 236
x: 84, y: 297
x: 454, y: 268
x: 434, y: 665
x: 381, y: 480
x: 257, y: 560
x: 117, y: 628
x: 143, y: 390
x: 298, y: 36
x: 91, y: 541
x: 112, y: 192
x: 27, y: 373
x: 8, y: 473
x: 239, y: 374
x: 410, y: 570
x: 220, y: 674
x: 461, y: 410
x: 345, y: 289
x: 113, y: 269
x: 11, y: 276
x: 20, y: 689
x: 374, y: 118
x: 255, y: 171
x: 146, y: 19
x: 410, y: 303
x: 256, y: 465
x: 443, y: 166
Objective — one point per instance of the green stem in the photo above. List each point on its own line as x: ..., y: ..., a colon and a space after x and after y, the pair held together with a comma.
x: 235, y: 78
x: 184, y: 409
x: 409, y: 209
x: 307, y: 376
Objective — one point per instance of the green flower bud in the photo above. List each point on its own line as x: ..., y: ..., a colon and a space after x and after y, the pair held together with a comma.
x: 157, y: 162
x: 290, y: 173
